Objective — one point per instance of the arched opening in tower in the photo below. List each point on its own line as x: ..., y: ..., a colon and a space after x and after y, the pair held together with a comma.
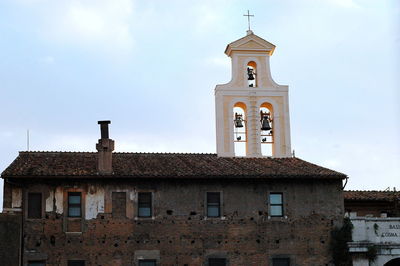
x: 266, y: 129
x: 240, y: 129
x: 252, y: 74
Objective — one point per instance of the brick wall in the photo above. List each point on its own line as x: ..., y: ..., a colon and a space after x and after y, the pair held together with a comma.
x: 373, y: 208
x: 180, y: 233
x: 10, y: 239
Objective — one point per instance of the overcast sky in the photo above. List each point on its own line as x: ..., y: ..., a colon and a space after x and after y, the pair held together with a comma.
x: 151, y: 67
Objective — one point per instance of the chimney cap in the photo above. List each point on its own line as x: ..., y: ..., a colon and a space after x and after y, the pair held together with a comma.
x: 102, y: 122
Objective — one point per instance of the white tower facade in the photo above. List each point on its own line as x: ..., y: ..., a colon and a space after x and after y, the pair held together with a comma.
x: 252, y: 111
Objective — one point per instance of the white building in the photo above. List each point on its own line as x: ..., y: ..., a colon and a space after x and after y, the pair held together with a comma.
x: 376, y: 233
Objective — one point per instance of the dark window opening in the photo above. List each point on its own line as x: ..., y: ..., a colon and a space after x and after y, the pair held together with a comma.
x: 37, y: 263
x: 144, y: 204
x: 213, y: 204
x: 76, y: 263
x: 119, y: 204
x: 276, y: 204
x: 34, y: 205
x: 216, y: 262
x: 74, y: 204
x: 147, y: 263
x: 281, y: 262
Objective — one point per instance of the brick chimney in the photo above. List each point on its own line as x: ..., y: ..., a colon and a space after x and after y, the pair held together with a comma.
x: 105, y: 147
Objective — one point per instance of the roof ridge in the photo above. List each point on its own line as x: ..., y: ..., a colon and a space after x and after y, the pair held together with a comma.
x: 369, y: 191
x: 326, y: 168
x: 142, y: 164
x: 36, y: 152
x: 175, y: 153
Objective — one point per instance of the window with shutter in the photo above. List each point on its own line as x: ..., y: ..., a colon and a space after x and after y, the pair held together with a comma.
x: 34, y: 205
x: 119, y: 204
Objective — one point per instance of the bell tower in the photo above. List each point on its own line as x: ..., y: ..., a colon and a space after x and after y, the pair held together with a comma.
x: 252, y: 111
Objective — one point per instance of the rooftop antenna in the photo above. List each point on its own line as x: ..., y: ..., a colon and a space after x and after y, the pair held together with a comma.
x: 27, y: 140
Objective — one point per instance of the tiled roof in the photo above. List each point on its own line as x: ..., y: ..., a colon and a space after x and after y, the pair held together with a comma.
x: 371, y: 195
x: 162, y: 165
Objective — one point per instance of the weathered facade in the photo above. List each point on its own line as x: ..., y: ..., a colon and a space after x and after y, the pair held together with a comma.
x: 375, y: 216
x: 106, y: 208
x: 179, y: 231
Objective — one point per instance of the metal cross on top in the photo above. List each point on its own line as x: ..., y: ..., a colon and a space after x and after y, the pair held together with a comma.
x: 248, y: 17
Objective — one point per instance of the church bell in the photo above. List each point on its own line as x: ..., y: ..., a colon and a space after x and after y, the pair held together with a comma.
x: 238, y: 120
x: 265, y: 123
x: 250, y: 74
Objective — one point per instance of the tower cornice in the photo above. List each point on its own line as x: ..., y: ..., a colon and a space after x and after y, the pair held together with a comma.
x: 250, y: 43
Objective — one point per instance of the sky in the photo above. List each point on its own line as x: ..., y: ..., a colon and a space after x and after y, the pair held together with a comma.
x: 151, y: 68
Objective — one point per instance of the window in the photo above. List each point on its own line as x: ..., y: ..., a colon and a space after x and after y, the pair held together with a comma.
x: 281, y: 262
x: 276, y: 204
x: 119, y: 204
x: 216, y: 262
x: 34, y: 205
x: 74, y: 205
x: 36, y: 263
x: 147, y: 263
x: 76, y: 263
x: 144, y: 204
x: 213, y: 204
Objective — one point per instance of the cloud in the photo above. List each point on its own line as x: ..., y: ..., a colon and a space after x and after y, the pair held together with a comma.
x: 358, y: 159
x: 6, y: 134
x: 104, y: 22
x: 48, y: 60
x: 207, y: 17
x: 218, y: 61
x: 65, y: 143
x: 331, y: 163
x: 210, y: 16
x: 344, y: 3
x: 158, y: 143
x: 104, y: 25
x: 29, y: 2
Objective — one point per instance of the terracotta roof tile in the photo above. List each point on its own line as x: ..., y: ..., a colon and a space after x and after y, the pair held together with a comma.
x: 371, y: 195
x: 163, y: 165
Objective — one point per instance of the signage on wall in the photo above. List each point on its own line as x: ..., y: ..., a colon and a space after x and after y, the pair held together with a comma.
x: 390, y: 231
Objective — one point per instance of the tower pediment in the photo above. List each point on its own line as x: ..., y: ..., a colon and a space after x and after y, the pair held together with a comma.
x: 252, y: 43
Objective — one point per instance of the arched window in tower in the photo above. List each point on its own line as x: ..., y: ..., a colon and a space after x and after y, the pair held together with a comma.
x: 240, y: 129
x: 252, y: 74
x: 266, y: 127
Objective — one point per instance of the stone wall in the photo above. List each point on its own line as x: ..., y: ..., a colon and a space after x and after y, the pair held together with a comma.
x: 179, y: 233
